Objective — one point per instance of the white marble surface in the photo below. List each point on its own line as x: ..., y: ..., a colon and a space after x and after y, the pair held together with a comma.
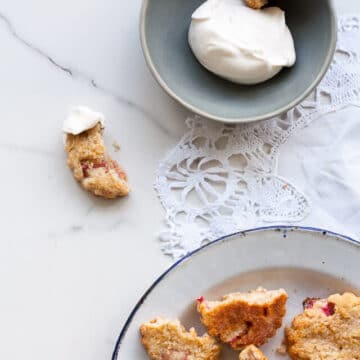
x: 71, y: 266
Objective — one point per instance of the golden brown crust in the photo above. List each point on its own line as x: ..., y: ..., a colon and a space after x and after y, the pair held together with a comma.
x: 92, y: 167
x: 256, y: 4
x: 243, y: 319
x: 328, y: 329
x: 168, y: 340
x: 251, y: 352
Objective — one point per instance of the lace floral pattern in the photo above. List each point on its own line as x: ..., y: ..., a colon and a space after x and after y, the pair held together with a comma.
x: 220, y: 178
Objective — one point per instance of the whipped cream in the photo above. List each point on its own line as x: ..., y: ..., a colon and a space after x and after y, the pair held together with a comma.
x: 241, y: 44
x: 81, y: 119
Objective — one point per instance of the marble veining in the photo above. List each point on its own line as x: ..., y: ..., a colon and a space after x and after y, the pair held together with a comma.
x: 34, y: 48
x: 28, y: 150
x: 72, y: 266
x: 82, y: 76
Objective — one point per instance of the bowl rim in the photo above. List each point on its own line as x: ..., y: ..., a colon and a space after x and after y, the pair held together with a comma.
x: 325, y: 66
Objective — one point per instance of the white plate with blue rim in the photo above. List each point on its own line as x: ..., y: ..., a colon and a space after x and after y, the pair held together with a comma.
x: 306, y: 262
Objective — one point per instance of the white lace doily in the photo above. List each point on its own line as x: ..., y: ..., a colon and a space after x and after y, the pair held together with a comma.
x: 220, y: 178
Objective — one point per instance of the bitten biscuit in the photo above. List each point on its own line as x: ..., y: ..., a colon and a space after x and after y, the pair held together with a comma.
x: 328, y: 329
x: 256, y: 4
x: 92, y: 167
x: 242, y: 319
x: 168, y: 340
x: 251, y: 352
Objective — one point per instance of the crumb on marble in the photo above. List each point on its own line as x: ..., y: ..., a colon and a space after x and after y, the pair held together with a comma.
x: 281, y: 350
x: 116, y: 146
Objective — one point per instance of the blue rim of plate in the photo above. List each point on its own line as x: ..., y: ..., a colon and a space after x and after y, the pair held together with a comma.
x: 223, y: 238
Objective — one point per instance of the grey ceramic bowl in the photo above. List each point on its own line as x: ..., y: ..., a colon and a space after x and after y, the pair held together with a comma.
x: 164, y: 28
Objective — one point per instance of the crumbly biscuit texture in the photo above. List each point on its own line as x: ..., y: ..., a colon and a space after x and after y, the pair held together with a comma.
x: 93, y: 167
x: 242, y: 319
x: 251, y: 352
x: 168, y: 340
x: 328, y: 329
x: 256, y: 4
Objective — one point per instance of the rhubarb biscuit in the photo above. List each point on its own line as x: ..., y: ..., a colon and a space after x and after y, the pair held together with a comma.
x: 168, y: 340
x: 251, y: 352
x: 328, y: 329
x: 242, y: 319
x: 88, y: 159
x: 256, y: 4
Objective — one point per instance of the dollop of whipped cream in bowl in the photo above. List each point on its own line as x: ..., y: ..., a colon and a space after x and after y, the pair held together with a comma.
x: 241, y: 44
